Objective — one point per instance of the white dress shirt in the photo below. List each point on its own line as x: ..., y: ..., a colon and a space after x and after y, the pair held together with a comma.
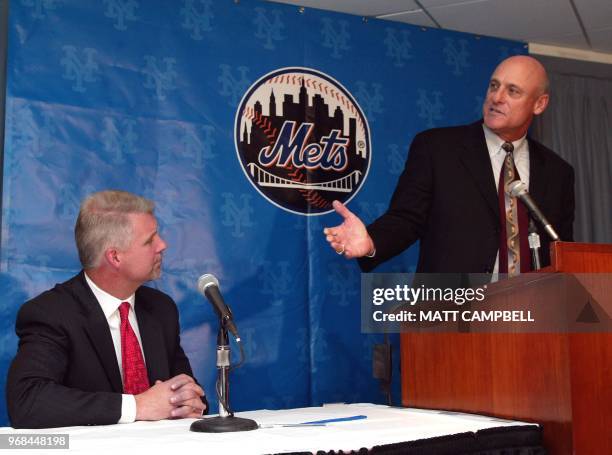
x: 497, y: 155
x: 110, y: 308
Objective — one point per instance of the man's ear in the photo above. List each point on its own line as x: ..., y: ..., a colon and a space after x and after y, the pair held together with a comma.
x: 541, y: 104
x: 111, y: 256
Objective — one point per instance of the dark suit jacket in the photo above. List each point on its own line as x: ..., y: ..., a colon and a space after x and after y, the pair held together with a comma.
x: 65, y: 372
x: 446, y: 197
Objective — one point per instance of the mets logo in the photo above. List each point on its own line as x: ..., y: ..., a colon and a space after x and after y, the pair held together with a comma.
x: 302, y: 140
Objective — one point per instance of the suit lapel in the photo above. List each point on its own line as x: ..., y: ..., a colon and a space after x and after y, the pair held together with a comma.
x: 537, y: 172
x: 97, y: 329
x: 475, y: 157
x: 153, y: 346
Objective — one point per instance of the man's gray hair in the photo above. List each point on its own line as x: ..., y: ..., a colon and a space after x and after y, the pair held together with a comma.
x: 103, y: 222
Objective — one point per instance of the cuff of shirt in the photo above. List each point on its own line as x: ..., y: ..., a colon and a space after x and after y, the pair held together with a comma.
x: 128, y: 409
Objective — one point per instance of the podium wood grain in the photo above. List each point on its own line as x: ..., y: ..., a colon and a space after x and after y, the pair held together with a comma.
x: 562, y: 381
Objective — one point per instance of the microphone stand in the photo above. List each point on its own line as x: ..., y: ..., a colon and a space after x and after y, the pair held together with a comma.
x: 534, y: 245
x: 225, y: 422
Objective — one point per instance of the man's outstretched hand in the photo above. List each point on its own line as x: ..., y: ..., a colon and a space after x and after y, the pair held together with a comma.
x: 351, y: 237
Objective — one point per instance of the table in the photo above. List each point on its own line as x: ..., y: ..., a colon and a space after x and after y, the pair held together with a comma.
x: 382, y: 425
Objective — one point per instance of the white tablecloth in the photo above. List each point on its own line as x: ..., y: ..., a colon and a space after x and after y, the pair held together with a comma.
x: 383, y: 425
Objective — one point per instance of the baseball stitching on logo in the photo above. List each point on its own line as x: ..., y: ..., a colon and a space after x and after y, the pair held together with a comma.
x: 322, y: 88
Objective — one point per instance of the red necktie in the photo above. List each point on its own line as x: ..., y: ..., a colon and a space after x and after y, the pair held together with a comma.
x: 135, y: 378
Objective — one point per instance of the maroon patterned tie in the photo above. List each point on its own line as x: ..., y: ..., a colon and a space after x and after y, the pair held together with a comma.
x: 514, y: 248
x: 135, y: 378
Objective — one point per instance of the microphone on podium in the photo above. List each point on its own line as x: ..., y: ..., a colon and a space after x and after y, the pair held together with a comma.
x: 518, y: 189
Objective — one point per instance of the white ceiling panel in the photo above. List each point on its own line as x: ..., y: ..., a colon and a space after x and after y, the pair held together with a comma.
x: 433, y: 3
x: 601, y: 40
x: 508, y: 19
x: 541, y: 21
x: 415, y: 18
x: 595, y: 14
x: 358, y: 7
x: 576, y: 41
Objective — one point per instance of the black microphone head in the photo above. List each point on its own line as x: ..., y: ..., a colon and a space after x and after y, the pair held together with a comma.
x: 208, y: 285
x: 205, y: 281
x: 517, y: 188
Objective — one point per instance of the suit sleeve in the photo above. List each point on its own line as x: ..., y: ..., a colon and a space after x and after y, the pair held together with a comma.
x: 566, y: 226
x: 405, y: 220
x: 179, y: 363
x: 36, y: 397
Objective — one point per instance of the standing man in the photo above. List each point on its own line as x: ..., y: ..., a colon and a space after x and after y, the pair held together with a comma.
x: 102, y: 348
x: 451, y: 195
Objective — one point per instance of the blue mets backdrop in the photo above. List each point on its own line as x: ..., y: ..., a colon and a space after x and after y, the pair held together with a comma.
x: 243, y: 121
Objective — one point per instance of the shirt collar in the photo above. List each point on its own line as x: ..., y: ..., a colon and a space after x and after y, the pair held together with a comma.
x: 108, y: 302
x: 494, y: 142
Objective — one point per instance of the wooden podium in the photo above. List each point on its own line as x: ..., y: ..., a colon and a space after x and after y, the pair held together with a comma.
x: 560, y: 380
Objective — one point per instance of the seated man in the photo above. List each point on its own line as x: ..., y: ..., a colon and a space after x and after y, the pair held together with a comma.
x: 102, y: 348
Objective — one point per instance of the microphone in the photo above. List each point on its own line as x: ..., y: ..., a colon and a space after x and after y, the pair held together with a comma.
x: 519, y: 190
x: 226, y: 421
x: 208, y: 285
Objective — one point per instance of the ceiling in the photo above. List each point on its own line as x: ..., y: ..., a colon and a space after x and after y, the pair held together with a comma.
x: 578, y: 24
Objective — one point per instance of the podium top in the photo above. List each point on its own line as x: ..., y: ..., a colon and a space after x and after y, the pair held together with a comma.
x: 574, y: 257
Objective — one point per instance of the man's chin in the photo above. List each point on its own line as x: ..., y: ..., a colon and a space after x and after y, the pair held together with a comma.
x: 494, y: 122
x: 155, y: 275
